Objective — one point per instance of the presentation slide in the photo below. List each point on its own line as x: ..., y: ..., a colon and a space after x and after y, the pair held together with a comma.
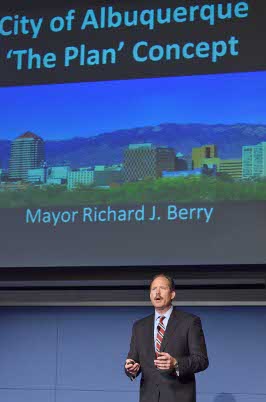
x: 132, y: 134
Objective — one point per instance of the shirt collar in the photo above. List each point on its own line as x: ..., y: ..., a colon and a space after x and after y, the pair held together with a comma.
x: 166, y: 315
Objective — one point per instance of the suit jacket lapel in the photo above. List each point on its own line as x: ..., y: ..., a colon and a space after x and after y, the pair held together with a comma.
x: 171, y: 326
x: 150, y: 336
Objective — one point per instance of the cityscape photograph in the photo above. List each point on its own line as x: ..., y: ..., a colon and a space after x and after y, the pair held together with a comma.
x: 176, y: 139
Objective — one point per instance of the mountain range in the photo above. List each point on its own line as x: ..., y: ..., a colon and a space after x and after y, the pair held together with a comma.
x: 107, y: 148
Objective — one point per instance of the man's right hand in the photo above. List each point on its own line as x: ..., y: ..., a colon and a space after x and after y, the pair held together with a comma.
x: 132, y: 367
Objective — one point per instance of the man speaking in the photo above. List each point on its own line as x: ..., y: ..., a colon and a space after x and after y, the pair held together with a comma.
x: 167, y: 348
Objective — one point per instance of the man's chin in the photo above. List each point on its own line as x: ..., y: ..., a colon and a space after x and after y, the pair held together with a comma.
x: 159, y: 305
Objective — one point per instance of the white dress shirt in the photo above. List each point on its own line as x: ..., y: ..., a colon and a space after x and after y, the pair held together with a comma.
x: 165, y: 322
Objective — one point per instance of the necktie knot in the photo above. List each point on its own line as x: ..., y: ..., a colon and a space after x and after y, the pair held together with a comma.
x: 161, y: 319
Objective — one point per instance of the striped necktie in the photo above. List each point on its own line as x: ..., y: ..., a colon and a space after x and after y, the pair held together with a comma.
x: 160, y: 335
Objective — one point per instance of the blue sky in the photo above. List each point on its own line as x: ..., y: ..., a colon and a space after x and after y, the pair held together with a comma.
x: 87, y: 109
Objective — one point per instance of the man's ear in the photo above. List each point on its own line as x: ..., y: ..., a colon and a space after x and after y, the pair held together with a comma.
x: 173, y: 295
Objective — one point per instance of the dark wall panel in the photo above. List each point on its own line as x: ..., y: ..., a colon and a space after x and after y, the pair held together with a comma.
x: 28, y: 341
x: 76, y: 354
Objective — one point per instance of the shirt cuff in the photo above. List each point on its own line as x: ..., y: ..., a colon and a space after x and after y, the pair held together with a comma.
x: 177, y: 369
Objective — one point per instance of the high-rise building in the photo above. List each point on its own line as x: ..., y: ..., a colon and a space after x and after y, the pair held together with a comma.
x: 57, y: 174
x: 232, y: 167
x: 254, y: 160
x: 107, y: 175
x: 211, y: 163
x: 204, y: 152
x: 180, y: 162
x: 49, y: 174
x: 80, y: 177
x: 37, y: 175
x: 27, y: 152
x: 146, y: 160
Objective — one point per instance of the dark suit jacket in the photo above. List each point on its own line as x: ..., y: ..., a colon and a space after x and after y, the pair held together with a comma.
x: 184, y: 340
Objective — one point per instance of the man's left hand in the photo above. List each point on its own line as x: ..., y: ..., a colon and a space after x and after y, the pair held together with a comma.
x: 165, y: 361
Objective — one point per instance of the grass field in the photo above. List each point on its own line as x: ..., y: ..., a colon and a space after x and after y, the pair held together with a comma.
x: 161, y: 190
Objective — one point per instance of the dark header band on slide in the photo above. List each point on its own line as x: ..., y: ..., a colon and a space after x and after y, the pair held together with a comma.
x: 104, y: 41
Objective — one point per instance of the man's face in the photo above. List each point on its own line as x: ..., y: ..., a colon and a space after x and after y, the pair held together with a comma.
x: 160, y: 294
